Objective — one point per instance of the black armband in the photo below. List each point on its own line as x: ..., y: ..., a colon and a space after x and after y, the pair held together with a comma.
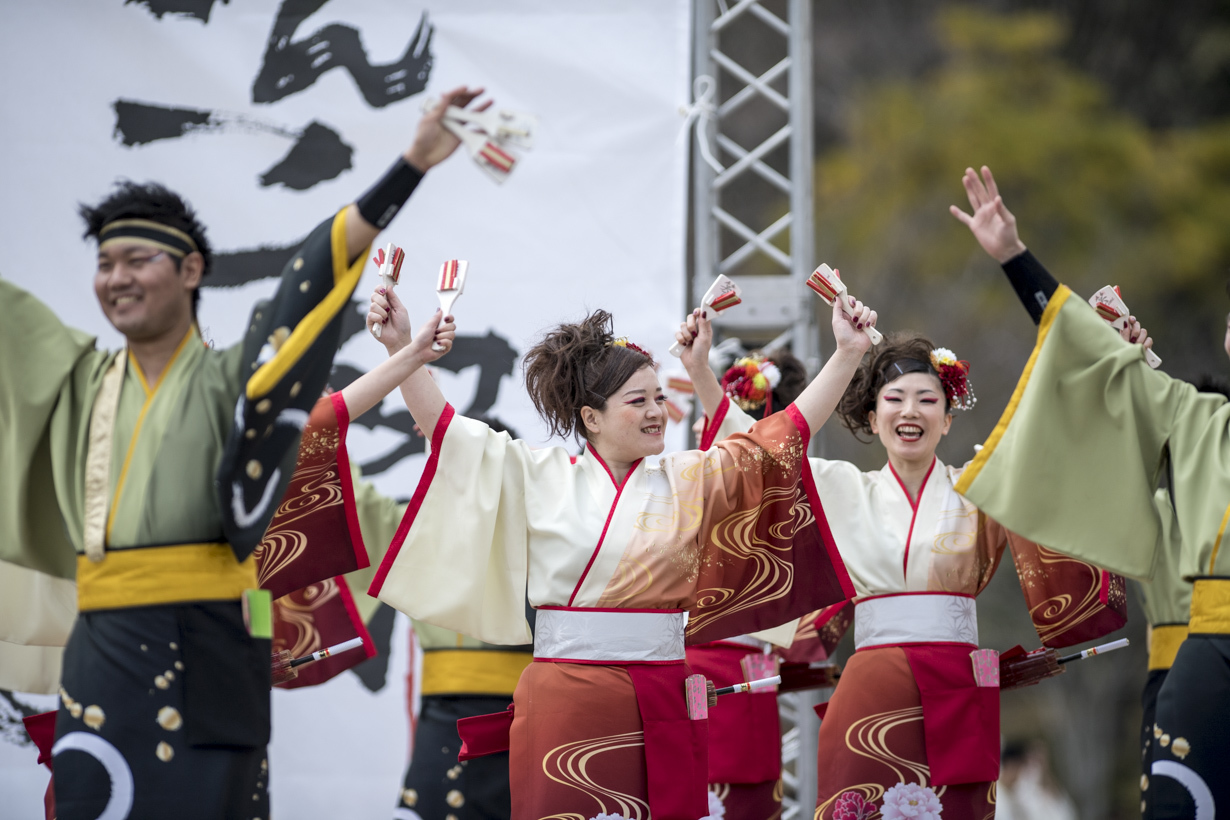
x: 1033, y: 283
x: 383, y: 200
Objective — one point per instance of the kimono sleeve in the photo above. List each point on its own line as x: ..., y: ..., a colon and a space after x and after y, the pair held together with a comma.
x: 286, y: 357
x: 727, y: 420
x: 1073, y: 461
x: 1070, y: 601
x: 38, y: 594
x: 767, y: 555
x: 459, y: 559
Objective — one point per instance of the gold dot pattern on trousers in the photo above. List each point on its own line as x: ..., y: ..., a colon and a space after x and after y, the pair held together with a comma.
x: 410, y: 797
x: 265, y: 765
x: 1157, y: 731
x: 263, y: 406
x: 298, y: 263
x: 255, y: 365
x: 161, y: 682
x: 179, y: 665
x: 173, y: 645
x: 94, y: 717
x: 450, y: 817
x: 169, y: 718
x: 249, y: 434
x: 1181, y: 747
x: 1143, y: 809
x: 453, y: 773
x: 295, y: 388
x: 169, y: 675
x: 144, y: 648
x: 257, y: 316
x: 1165, y: 741
x: 164, y: 752
x: 304, y: 285
x: 253, y: 469
x: 455, y: 799
x: 1144, y: 782
x: 74, y: 709
x: 256, y: 797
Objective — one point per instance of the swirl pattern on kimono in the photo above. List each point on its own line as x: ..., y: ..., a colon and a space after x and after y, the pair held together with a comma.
x: 298, y: 610
x: 765, y: 576
x: 1059, y: 613
x: 313, y: 487
x: 568, y: 764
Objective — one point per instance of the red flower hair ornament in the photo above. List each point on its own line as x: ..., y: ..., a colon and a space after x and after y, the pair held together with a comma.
x: 954, y: 375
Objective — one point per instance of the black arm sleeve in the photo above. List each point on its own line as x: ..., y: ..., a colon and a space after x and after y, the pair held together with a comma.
x: 1033, y: 283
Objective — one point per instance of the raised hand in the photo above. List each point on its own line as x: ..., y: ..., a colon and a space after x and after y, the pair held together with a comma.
x: 388, y: 311
x: 848, y: 330
x: 433, y: 143
x: 992, y: 224
x: 695, y: 334
x: 438, y: 330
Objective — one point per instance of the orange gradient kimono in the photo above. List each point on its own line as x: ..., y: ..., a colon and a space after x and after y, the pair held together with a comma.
x: 728, y: 536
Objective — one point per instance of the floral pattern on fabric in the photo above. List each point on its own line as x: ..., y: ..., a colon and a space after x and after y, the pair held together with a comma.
x: 911, y: 802
x: 853, y: 806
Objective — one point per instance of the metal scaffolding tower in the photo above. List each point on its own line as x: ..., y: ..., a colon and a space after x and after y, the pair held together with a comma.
x: 753, y: 220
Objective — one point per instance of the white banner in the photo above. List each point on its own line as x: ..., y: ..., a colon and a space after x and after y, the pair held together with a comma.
x: 268, y: 123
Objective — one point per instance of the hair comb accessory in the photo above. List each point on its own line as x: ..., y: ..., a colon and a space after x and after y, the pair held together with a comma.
x: 954, y: 375
x: 623, y: 342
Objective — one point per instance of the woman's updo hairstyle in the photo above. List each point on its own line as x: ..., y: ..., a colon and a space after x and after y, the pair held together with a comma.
x: 579, y: 365
x: 898, y: 354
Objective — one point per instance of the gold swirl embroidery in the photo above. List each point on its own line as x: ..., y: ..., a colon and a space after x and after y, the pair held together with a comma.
x: 1058, y: 614
x: 568, y: 764
x: 769, y: 576
x: 277, y: 551
x: 299, y: 612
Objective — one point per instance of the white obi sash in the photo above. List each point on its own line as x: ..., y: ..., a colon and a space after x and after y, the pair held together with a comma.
x: 911, y: 618
x: 608, y: 635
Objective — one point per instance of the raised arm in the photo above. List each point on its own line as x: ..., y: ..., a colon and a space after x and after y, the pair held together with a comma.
x: 420, y: 391
x: 432, y: 144
x: 819, y: 399
x: 696, y: 335
x: 368, y: 390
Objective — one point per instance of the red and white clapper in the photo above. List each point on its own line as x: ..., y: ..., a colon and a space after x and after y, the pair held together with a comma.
x: 721, y: 296
x: 1108, y: 302
x: 828, y: 286
x: 490, y: 136
x: 449, y: 285
x: 388, y: 259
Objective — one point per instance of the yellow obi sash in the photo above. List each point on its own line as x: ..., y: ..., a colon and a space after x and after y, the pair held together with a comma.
x: 1164, y: 643
x: 1210, y: 607
x: 179, y: 573
x: 472, y: 671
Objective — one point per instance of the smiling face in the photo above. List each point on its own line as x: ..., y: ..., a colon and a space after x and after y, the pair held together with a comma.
x: 633, y: 421
x: 911, y: 416
x: 141, y: 292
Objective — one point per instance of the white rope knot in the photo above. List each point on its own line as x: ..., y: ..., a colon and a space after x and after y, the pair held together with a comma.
x: 700, y: 112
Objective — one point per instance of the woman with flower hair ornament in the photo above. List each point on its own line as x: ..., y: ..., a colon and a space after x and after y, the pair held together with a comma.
x: 745, y: 748
x: 913, y: 723
x: 610, y: 551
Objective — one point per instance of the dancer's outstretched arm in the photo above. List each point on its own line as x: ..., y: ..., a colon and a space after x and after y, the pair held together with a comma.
x: 994, y: 226
x: 420, y: 391
x: 403, y: 363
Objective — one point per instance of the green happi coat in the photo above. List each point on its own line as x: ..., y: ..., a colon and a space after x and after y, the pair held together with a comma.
x: 161, y: 675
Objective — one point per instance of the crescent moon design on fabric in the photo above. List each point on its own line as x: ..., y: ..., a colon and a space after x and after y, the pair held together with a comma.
x: 122, y: 789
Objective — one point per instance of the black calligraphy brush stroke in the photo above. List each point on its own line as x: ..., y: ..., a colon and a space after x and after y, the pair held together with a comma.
x: 139, y: 123
x: 317, y: 156
x: 235, y: 268
x: 293, y: 66
x: 200, y: 9
x: 373, y: 672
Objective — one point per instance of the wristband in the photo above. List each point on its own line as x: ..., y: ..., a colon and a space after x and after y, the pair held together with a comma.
x: 383, y: 200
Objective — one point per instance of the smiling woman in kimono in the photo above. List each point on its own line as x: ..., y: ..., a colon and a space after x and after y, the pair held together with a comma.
x: 616, y: 554
x: 911, y: 722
